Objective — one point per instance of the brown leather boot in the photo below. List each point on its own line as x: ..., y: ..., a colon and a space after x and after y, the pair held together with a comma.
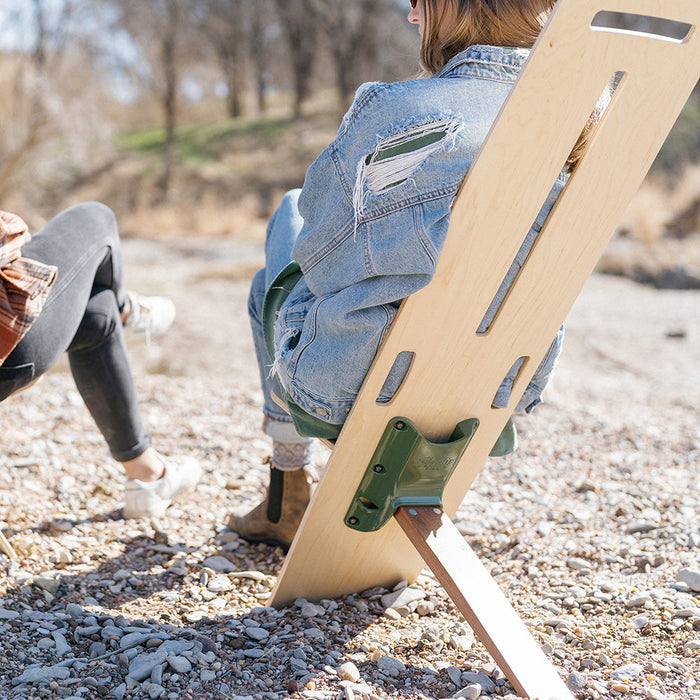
x: 276, y: 519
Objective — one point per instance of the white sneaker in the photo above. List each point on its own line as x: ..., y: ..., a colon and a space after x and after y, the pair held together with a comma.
x: 149, y: 316
x: 149, y: 499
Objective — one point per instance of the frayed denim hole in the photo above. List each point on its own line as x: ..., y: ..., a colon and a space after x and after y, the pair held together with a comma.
x: 644, y: 26
x: 396, y: 159
x: 396, y: 377
x: 286, y: 344
x: 505, y: 388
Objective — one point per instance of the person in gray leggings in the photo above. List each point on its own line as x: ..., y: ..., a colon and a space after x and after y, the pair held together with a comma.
x: 87, y: 314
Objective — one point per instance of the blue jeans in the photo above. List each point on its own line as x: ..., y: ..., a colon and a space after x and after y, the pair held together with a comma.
x: 82, y: 317
x: 282, y: 233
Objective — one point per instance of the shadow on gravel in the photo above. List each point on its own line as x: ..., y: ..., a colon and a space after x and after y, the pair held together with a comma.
x: 238, y: 646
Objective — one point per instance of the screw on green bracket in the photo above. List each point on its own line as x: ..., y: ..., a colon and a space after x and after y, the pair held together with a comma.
x: 406, y: 470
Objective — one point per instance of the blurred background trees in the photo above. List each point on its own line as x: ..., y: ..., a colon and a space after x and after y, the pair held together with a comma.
x: 84, y: 66
x: 144, y: 102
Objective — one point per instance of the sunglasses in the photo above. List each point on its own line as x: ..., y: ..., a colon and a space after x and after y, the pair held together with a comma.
x: 414, y: 3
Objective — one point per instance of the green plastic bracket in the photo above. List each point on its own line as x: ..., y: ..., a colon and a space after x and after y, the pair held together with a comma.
x: 406, y: 470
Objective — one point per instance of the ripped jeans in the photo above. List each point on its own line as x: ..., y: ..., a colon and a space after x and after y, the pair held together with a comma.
x: 81, y: 316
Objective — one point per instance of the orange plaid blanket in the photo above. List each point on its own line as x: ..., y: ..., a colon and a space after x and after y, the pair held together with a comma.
x: 24, y: 283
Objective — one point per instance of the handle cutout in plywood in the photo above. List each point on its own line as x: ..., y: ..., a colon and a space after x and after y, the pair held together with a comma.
x: 641, y: 25
x: 505, y: 389
x: 396, y: 377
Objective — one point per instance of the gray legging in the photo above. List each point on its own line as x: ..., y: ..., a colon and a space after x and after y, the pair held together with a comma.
x: 81, y: 317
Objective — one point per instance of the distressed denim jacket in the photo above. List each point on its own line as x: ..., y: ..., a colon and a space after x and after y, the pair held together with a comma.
x: 375, y: 207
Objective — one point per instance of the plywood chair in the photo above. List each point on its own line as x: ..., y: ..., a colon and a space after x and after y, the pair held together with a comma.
x: 455, y: 371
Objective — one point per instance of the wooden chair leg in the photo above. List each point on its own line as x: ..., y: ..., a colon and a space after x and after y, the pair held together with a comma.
x: 6, y: 547
x: 482, y: 602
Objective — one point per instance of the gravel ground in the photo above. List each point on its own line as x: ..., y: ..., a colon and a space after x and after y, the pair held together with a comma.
x: 592, y: 528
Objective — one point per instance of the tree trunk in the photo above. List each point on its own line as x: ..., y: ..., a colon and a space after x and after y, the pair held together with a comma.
x: 169, y: 96
x: 299, y: 24
x: 259, y: 57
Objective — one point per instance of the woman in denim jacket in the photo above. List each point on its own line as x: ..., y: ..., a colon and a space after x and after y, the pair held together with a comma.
x: 366, y: 230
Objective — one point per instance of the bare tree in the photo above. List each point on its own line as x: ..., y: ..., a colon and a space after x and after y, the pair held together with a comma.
x: 349, y: 29
x: 259, y: 50
x: 44, y: 43
x: 299, y: 24
x: 224, y: 23
x: 163, y: 32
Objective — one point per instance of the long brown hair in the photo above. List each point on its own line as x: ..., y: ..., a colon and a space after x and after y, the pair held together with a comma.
x: 451, y: 26
x: 494, y: 22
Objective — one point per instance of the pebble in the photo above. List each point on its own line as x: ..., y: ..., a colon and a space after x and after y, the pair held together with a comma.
x: 691, y: 577
x: 220, y: 584
x: 142, y: 666
x: 483, y: 679
x: 455, y: 675
x: 627, y: 672
x: 620, y: 687
x: 390, y: 665
x: 402, y: 597
x: 44, y: 673
x: 179, y: 664
x: 349, y: 672
x: 257, y: 633
x: 219, y: 564
x: 470, y: 692
x: 577, y: 681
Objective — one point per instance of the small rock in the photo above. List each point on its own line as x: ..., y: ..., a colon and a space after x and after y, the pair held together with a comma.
x: 219, y: 564
x: 349, y: 672
x: 620, y: 687
x: 44, y: 673
x: 48, y: 581
x: 257, y: 633
x: 403, y: 596
x: 142, y: 666
x: 297, y: 665
x: 577, y: 564
x: 577, y: 681
x: 179, y: 664
x: 455, y: 675
x: 690, y: 647
x: 691, y: 577
x: 483, y: 679
x: 311, y: 610
x: 640, y: 622
x: 62, y: 646
x: 425, y: 607
x: 132, y: 638
x: 627, y: 672
x: 639, y: 526
x: 638, y: 601
x: 470, y: 692
x: 74, y: 610
x: 220, y: 584
x: 390, y: 665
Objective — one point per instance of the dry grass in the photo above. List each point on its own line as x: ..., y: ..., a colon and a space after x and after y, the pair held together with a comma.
x: 660, y: 231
